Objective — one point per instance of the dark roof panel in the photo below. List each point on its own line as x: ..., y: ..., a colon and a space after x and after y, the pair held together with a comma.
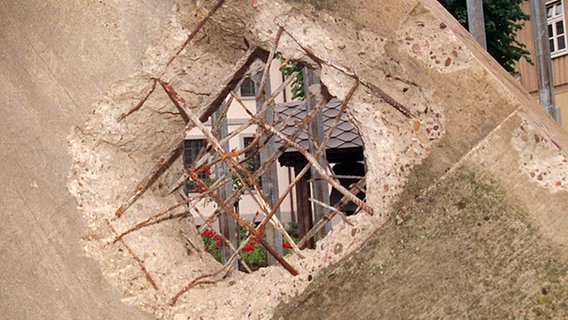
x: 344, y: 136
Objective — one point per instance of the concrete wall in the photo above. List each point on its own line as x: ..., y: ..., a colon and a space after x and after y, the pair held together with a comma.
x: 57, y: 58
x: 463, y: 110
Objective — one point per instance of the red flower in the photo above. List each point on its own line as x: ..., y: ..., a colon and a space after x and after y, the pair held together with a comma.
x: 196, y: 190
x: 247, y: 248
x: 286, y: 245
x: 218, y: 240
x: 208, y: 233
x: 207, y: 249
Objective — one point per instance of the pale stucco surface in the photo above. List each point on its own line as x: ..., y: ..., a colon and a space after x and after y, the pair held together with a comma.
x: 59, y: 58
x: 56, y: 59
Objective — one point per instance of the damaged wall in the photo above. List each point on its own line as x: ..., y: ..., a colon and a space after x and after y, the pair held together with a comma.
x: 426, y: 92
x: 480, y: 230
x: 110, y: 155
x: 410, y: 104
x: 57, y: 59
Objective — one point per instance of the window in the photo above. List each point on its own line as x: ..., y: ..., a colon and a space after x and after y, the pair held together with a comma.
x: 253, y: 163
x: 556, y: 27
x: 191, y: 149
x: 248, y: 88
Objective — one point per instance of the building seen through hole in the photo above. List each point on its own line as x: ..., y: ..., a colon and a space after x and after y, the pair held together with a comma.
x: 303, y: 197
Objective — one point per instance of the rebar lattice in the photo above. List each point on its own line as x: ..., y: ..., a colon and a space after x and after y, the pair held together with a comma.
x: 244, y: 180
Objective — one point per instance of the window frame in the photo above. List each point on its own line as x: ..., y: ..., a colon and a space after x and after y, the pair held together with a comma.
x: 250, y: 85
x: 189, y: 186
x: 552, y: 23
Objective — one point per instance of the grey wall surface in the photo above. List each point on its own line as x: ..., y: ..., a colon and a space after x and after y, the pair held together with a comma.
x: 56, y: 59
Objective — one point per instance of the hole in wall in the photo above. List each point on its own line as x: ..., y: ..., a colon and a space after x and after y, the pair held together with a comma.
x: 254, y: 157
x: 289, y: 169
x: 150, y: 246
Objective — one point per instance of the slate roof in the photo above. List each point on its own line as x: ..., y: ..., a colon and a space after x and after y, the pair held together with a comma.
x: 344, y: 143
x: 344, y: 136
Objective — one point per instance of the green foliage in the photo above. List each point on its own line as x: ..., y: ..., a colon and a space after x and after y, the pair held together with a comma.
x: 503, y: 20
x: 292, y: 229
x: 297, y: 87
x: 253, y: 252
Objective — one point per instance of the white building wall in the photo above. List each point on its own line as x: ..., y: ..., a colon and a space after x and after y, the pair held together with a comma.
x: 248, y: 208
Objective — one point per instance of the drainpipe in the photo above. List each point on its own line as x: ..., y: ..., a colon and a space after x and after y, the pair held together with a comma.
x: 476, y: 22
x: 542, y: 58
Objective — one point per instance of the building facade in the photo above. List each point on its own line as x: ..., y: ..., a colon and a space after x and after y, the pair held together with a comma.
x: 556, y: 16
x: 305, y: 197
x: 237, y: 116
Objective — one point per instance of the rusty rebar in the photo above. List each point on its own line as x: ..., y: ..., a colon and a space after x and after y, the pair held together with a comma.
x: 135, y: 257
x: 162, y: 213
x: 195, y: 31
x: 235, y: 166
x: 317, y: 166
x: 266, y: 71
x: 143, y: 185
x: 139, y: 104
x: 347, y: 71
x: 336, y: 210
x: 247, y: 226
x: 175, y: 98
